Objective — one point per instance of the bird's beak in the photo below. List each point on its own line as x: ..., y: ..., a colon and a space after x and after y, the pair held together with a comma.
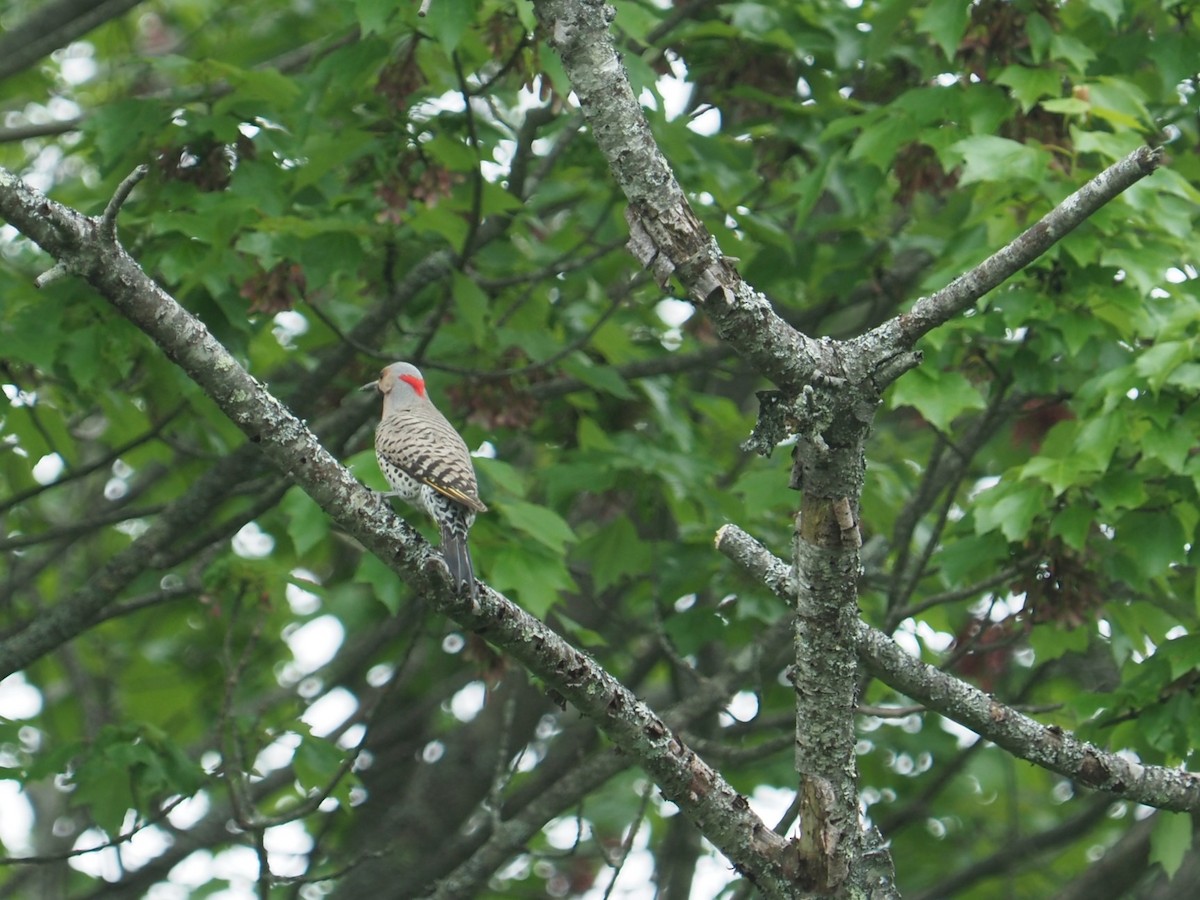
x: 370, y: 386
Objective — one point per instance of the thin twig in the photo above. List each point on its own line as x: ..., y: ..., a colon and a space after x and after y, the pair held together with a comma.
x: 122, y: 838
x: 928, y: 313
x: 108, y: 221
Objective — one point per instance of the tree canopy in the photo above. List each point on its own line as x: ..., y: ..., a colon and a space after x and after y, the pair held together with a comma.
x: 924, y: 271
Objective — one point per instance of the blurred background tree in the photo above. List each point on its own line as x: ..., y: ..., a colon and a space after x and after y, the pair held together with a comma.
x: 263, y: 708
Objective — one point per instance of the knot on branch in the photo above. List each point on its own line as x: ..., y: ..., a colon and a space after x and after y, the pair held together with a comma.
x: 75, y: 230
x: 827, y: 403
x: 782, y: 418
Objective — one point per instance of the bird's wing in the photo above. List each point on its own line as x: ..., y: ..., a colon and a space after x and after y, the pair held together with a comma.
x: 431, y: 452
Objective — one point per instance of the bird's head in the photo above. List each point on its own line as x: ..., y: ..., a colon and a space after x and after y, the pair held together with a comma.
x: 400, y: 383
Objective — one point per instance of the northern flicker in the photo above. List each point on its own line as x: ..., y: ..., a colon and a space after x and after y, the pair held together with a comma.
x: 427, y: 463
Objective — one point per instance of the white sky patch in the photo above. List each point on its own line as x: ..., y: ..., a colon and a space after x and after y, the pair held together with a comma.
x: 251, y: 542
x: 906, y: 639
x: 193, y: 870
x: 18, y: 699
x: 706, y: 122
x: 17, y: 821
x: 742, y: 708
x: 674, y: 312
x: 380, y: 674
x: 770, y: 803
x: 289, y: 325
x: 190, y: 811
x: 15, y: 396
x: 47, y: 469
x: 302, y: 602
x: 78, y: 69
x: 937, y: 641
x: 144, y: 847
x: 238, y: 865
x: 351, y: 738
x: 500, y: 164
x: 983, y: 484
x: 964, y: 736
x: 315, y: 643
x: 328, y: 713
x: 468, y: 702
x: 633, y: 883
x: 674, y: 89
x: 277, y: 754
x: 101, y: 864
x: 286, y: 847
x: 565, y: 833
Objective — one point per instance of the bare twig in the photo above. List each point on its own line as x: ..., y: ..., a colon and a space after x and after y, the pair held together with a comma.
x: 108, y: 221
x: 122, y: 838
x: 902, y: 332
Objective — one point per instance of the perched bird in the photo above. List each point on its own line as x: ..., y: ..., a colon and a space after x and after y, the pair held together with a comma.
x: 427, y: 463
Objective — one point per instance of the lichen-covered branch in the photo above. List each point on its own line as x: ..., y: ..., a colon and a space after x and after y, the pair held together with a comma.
x: 85, y: 247
x: 666, y: 235
x: 902, y: 332
x: 1046, y: 746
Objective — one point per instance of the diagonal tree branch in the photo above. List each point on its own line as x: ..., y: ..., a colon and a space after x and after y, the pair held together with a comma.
x: 667, y: 236
x: 54, y: 25
x: 77, y: 241
x: 902, y: 332
x: 1049, y: 747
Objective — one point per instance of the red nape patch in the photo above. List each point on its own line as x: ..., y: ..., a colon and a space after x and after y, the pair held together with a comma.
x: 416, y: 383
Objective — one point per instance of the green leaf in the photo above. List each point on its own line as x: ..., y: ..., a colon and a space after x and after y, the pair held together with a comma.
x: 307, y: 524
x: 386, y: 584
x: 1053, y: 643
x: 1120, y: 489
x: 1067, y: 106
x: 989, y: 158
x: 615, y: 551
x: 316, y: 762
x: 1097, y: 440
x: 1072, y: 50
x: 472, y: 305
x: 602, y: 378
x: 1158, y: 362
x: 448, y: 21
x: 1183, y: 654
x: 535, y: 575
x: 694, y: 628
x: 1073, y: 525
x: 1058, y: 472
x: 538, y: 522
x: 879, y: 141
x: 1030, y: 85
x: 1112, y: 9
x: 373, y: 15
x: 1170, y: 840
x: 945, y: 21
x: 1011, y: 509
x: 1153, y: 540
x: 1171, y: 445
x: 938, y: 396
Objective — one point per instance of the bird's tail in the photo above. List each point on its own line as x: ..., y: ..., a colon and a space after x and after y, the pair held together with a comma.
x: 458, y: 559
